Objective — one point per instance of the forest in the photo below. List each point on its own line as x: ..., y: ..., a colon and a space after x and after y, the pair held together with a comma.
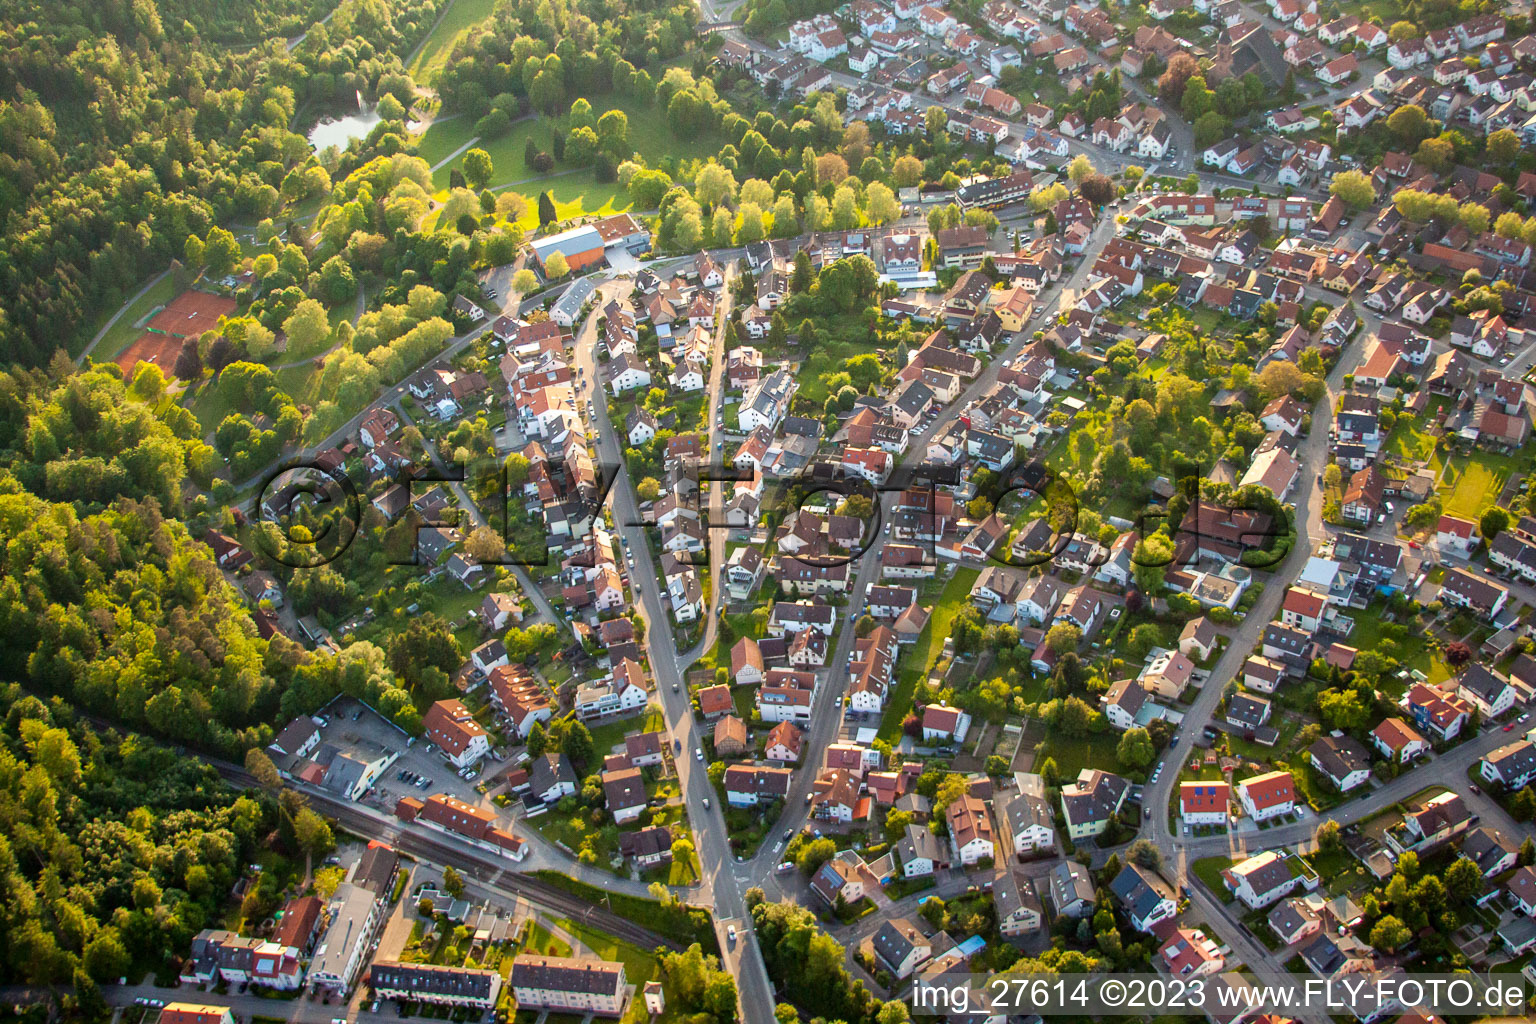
x: 128, y: 125
x: 114, y: 850
x: 560, y: 50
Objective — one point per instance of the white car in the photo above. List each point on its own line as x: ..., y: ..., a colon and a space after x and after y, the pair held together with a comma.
x: 698, y: 752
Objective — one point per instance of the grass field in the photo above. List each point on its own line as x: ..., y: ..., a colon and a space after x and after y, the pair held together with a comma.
x: 1072, y: 756
x: 576, y: 191
x: 670, y: 922
x: 1208, y: 870
x: 1471, y: 483
x: 460, y: 16
x: 923, y: 654
x: 640, y: 966
x: 124, y: 332
x: 539, y: 939
x: 649, y: 135
x: 1408, y: 442
x: 955, y: 596
x: 1412, y: 651
x: 609, y: 735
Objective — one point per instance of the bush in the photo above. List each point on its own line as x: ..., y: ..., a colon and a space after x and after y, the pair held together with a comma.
x: 493, y: 125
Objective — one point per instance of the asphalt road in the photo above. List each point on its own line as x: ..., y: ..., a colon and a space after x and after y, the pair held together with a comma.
x: 718, y: 885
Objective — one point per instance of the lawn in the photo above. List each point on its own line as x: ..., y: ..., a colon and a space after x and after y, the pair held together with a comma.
x: 1208, y: 870
x: 920, y: 659
x: 460, y: 16
x: 649, y: 135
x: 1412, y: 652
x: 575, y: 193
x: 575, y: 832
x: 640, y: 966
x: 955, y: 596
x: 124, y: 332
x: 537, y: 938
x: 207, y: 404
x: 829, y: 358
x: 1316, y: 791
x: 1408, y: 442
x: 681, y: 924
x: 1471, y: 483
x: 609, y: 735
x: 445, y: 596
x: 447, y: 134
x: 1073, y: 755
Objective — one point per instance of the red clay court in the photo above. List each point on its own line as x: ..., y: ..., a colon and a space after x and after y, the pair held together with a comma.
x: 189, y: 314
x: 160, y: 349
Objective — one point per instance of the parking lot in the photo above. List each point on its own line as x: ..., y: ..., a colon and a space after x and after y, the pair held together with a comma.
x: 352, y: 724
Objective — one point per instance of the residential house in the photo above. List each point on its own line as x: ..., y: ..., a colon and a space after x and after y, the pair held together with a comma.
x: 1267, y: 796
x: 1262, y: 879
x: 1145, y: 898
x: 1341, y: 760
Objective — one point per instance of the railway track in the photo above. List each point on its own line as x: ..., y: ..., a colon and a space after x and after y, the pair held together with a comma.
x: 487, y: 870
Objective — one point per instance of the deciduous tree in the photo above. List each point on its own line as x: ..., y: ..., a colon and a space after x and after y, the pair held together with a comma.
x: 1354, y: 189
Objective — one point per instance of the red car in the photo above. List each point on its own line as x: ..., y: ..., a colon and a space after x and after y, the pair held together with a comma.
x: 1510, y: 726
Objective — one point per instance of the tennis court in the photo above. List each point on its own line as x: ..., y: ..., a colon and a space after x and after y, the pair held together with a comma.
x: 160, y: 349
x: 189, y: 314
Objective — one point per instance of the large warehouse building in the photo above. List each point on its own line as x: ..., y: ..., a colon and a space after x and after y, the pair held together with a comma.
x: 586, y: 245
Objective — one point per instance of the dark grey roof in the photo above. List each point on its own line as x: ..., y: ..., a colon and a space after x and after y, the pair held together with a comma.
x: 1069, y: 883
x: 345, y: 771
x: 1482, y: 681
x: 1323, y: 956
x: 1136, y: 890
x: 433, y: 979
x: 1287, y: 639
x: 1288, y: 917
x: 1027, y: 809
x: 549, y: 770
x: 645, y: 842
x: 1248, y: 710
x: 804, y: 426
x: 896, y: 939
x: 1337, y: 756
x: 1098, y: 803
x: 376, y: 870
x: 1011, y: 893
x: 1513, y: 760
x: 917, y: 843
x: 567, y: 974
x: 1486, y: 847
x: 295, y: 734
x: 914, y: 398
x: 1268, y: 876
x: 1258, y: 53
